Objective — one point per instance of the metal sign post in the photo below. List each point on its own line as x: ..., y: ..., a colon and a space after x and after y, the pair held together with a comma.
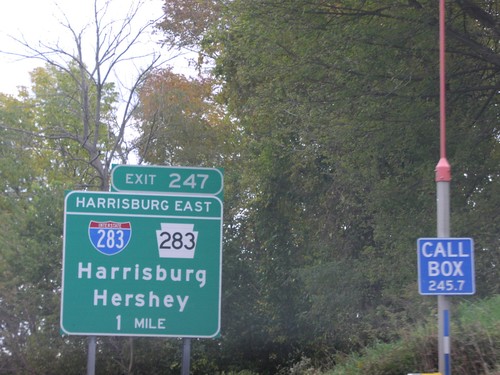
x: 444, y: 305
x: 443, y: 178
x: 186, y: 356
x: 445, y: 265
x: 91, y: 355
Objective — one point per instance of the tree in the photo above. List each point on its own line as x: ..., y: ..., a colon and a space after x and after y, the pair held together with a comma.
x: 31, y: 216
x: 186, y: 23
x: 101, y: 115
x: 35, y: 171
x: 338, y: 107
x: 180, y: 124
x: 67, y: 131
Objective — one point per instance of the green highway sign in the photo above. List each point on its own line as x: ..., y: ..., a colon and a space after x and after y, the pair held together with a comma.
x: 161, y: 179
x: 141, y: 265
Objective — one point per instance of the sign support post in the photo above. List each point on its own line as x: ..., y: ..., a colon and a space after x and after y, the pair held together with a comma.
x: 443, y: 178
x: 91, y: 355
x: 444, y: 305
x: 186, y: 356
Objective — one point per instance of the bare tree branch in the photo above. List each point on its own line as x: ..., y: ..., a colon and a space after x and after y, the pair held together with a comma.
x: 99, y: 50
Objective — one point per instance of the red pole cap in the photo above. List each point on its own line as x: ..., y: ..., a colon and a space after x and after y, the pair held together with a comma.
x: 443, y: 171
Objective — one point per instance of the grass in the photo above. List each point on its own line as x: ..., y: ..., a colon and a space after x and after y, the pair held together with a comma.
x: 475, y: 334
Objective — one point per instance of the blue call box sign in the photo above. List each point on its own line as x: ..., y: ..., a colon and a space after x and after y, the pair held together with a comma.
x: 445, y: 266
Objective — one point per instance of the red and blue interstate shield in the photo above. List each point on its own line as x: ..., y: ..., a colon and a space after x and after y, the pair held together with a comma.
x: 109, y: 237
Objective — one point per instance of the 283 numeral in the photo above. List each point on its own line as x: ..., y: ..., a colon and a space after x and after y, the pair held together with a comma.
x: 178, y: 240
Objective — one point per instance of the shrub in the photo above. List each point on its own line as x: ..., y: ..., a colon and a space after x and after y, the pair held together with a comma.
x: 475, y: 335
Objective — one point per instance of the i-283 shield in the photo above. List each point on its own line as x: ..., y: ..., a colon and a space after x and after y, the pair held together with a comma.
x: 109, y: 237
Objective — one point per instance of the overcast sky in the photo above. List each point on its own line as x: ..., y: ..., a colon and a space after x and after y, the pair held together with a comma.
x: 39, y: 20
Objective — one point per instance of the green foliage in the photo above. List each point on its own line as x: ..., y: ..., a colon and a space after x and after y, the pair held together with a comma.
x: 475, y: 346
x: 39, y: 158
x: 68, y: 125
x: 29, y: 283
x: 476, y: 343
x: 179, y: 122
x: 338, y: 106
